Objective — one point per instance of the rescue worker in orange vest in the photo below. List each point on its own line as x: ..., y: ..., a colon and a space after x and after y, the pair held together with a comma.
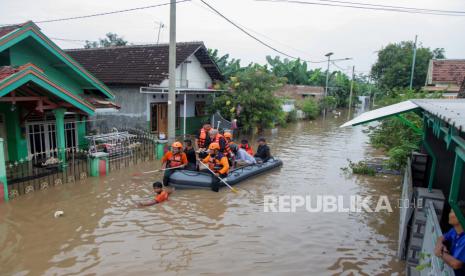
x: 203, y: 139
x: 228, y: 152
x: 245, y: 145
x: 217, y: 163
x: 172, y: 160
x: 216, y: 137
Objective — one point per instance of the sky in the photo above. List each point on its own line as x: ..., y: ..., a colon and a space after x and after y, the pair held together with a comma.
x: 305, y: 31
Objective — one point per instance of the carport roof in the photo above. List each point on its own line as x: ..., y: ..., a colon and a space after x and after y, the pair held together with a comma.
x: 452, y: 111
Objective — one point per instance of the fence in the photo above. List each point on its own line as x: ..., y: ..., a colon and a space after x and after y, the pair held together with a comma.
x: 43, y: 169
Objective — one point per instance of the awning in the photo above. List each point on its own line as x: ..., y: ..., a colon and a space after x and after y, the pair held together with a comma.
x: 382, y: 113
x: 99, y: 102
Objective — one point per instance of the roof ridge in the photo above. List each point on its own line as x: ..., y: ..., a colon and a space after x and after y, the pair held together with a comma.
x: 133, y: 46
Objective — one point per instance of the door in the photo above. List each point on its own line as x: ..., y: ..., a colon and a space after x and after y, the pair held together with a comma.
x: 3, y: 135
x: 163, y: 118
x: 159, y: 117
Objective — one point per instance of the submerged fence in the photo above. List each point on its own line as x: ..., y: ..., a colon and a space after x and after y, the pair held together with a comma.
x: 42, y: 170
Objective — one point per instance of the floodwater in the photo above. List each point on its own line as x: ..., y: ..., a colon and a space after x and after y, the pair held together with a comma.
x: 202, y: 232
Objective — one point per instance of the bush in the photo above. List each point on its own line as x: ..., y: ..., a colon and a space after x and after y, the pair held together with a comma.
x: 328, y: 102
x: 291, y: 116
x: 360, y: 167
x: 310, y: 108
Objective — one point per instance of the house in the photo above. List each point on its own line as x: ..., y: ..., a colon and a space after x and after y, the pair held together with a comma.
x: 138, y: 76
x: 46, y: 97
x: 445, y: 75
x: 434, y: 179
x: 292, y: 93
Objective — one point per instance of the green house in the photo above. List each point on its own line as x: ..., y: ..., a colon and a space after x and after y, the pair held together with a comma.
x: 45, y: 95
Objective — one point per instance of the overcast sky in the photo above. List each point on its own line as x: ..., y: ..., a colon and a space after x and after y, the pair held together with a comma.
x: 300, y: 30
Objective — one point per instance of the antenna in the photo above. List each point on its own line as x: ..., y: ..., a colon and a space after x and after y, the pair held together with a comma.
x: 160, y: 26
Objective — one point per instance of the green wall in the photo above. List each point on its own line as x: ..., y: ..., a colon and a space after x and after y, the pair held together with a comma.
x: 29, y: 51
x: 15, y: 134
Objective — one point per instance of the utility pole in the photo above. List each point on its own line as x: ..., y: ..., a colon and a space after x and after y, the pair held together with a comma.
x: 413, y: 62
x: 351, y: 91
x: 327, y: 79
x: 172, y: 75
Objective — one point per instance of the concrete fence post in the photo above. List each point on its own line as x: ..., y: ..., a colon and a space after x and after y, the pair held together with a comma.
x: 3, y: 181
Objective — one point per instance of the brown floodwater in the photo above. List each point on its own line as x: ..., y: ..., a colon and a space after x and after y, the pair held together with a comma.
x: 202, y: 232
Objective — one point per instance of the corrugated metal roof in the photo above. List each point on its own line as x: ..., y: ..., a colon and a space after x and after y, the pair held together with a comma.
x: 451, y: 111
x: 382, y: 112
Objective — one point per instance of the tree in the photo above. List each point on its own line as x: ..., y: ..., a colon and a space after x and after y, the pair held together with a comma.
x: 250, y: 99
x: 295, y: 71
x: 392, y: 69
x: 111, y: 39
x: 227, y: 67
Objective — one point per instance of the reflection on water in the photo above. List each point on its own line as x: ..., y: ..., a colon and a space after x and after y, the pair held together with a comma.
x: 201, y: 232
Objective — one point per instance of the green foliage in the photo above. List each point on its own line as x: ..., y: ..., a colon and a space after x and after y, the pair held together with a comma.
x: 227, y: 67
x: 360, y: 167
x: 328, y: 103
x: 291, y: 116
x: 111, y: 39
x: 392, y: 135
x: 392, y: 69
x: 252, y: 89
x: 310, y: 107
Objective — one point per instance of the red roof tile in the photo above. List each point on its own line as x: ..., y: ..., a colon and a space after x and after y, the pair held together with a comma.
x: 6, y: 71
x: 9, y: 28
x: 448, y: 71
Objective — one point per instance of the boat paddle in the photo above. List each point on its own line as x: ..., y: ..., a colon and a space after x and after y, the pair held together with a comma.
x: 234, y: 190
x: 159, y: 170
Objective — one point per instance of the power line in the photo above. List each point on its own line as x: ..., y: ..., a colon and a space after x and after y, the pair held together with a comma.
x: 394, y: 7
x: 105, y: 13
x: 363, y: 7
x: 256, y: 38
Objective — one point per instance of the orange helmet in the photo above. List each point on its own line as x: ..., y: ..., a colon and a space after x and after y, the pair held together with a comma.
x: 214, y: 146
x: 228, y: 135
x: 176, y: 145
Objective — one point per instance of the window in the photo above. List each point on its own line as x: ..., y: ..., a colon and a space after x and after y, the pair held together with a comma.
x: 154, y: 117
x: 178, y: 115
x: 200, y: 109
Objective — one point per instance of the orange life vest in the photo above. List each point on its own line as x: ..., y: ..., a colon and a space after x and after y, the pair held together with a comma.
x: 247, y: 148
x: 202, y: 138
x: 214, y: 163
x: 175, y: 160
x: 161, y: 197
x: 227, y: 149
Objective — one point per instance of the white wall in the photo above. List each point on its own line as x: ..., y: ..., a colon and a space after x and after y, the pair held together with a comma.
x: 190, y: 99
x: 196, y: 75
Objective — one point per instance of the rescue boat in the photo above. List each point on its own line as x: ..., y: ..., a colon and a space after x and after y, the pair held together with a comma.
x: 186, y: 179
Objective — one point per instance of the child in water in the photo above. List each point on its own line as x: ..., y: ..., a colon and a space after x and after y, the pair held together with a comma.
x: 161, y: 195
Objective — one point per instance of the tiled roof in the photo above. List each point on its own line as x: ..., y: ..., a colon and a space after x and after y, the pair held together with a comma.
x: 6, y: 71
x: 8, y: 29
x: 289, y: 90
x: 448, y: 71
x: 140, y: 64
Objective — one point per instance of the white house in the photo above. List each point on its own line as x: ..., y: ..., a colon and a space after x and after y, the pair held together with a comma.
x: 138, y: 76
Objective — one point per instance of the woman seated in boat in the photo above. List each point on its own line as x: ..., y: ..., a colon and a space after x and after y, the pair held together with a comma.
x: 245, y: 145
x: 172, y: 160
x: 217, y: 164
x: 242, y: 158
x: 190, y: 154
x: 263, y: 151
